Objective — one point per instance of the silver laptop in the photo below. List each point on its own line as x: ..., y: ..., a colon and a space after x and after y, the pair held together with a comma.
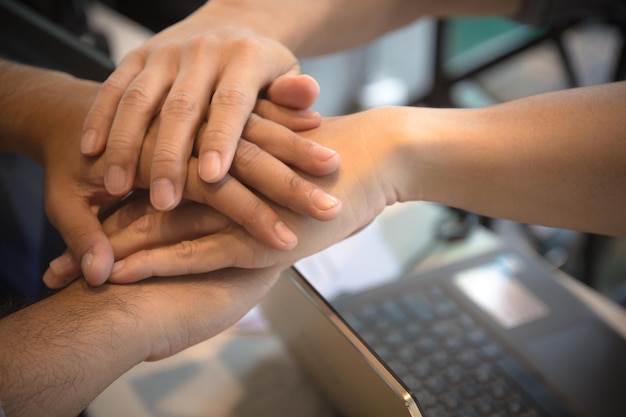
x: 492, y: 335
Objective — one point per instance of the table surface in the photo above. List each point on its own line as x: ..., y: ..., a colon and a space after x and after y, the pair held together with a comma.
x: 246, y: 371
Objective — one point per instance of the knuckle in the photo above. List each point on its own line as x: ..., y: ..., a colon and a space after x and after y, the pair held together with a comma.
x: 144, y: 226
x: 166, y: 153
x: 232, y: 95
x: 254, y: 207
x: 123, y: 145
x: 246, y: 155
x: 248, y: 47
x: 297, y: 184
x: 186, y: 250
x: 181, y: 105
x: 219, y: 131
x: 136, y: 96
x: 201, y: 44
x: 114, y: 83
x: 250, y: 253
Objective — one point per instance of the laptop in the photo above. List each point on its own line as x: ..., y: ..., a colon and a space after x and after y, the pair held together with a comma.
x: 494, y: 334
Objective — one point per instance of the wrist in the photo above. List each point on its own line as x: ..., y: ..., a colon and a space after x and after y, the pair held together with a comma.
x: 406, y: 132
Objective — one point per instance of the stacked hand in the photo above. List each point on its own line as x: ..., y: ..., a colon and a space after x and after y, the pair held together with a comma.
x: 195, y: 238
x: 197, y: 70
x: 76, y: 196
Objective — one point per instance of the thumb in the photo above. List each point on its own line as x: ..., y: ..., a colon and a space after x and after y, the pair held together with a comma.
x: 89, y: 249
x: 294, y: 91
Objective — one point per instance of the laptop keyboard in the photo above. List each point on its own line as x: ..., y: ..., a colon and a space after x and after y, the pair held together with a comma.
x: 451, y: 365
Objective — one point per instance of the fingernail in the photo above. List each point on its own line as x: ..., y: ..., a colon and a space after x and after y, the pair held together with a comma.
x: 115, y: 180
x: 210, y: 164
x: 88, y: 142
x: 322, y: 153
x: 50, y: 280
x: 60, y: 271
x: 86, y: 262
x: 162, y: 194
x: 286, y: 236
x: 322, y: 200
x: 62, y: 265
x: 117, y: 266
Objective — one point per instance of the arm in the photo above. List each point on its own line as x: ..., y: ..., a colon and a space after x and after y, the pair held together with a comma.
x: 555, y: 159
x: 318, y: 27
x: 213, y: 64
x: 57, y: 355
x: 41, y: 115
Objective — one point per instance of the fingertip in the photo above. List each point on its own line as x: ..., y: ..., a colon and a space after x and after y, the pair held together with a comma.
x: 324, y: 154
x: 163, y: 195
x: 61, y: 271
x: 117, y: 275
x: 210, y: 166
x: 96, y: 270
x: 56, y: 282
x: 327, y: 206
x: 116, y: 180
x: 311, y: 82
x: 287, y: 240
x: 299, y: 92
x: 89, y: 143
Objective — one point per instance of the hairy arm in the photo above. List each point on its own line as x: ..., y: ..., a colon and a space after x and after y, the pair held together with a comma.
x: 57, y: 355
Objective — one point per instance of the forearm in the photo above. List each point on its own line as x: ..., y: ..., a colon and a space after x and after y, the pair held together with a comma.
x: 58, y: 354
x: 318, y: 27
x: 35, y: 102
x: 556, y: 159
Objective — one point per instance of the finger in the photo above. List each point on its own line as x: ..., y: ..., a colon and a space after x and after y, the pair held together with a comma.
x: 86, y: 241
x: 206, y: 254
x: 188, y: 222
x: 291, y: 148
x: 100, y: 116
x: 61, y: 271
x: 292, y: 119
x: 231, y: 104
x: 276, y: 181
x: 181, y: 115
x: 137, y: 107
x: 131, y: 208
x: 237, y: 202
x: 294, y: 90
x: 65, y: 269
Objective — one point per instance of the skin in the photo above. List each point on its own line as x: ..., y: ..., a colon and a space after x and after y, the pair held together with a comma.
x: 213, y: 65
x: 467, y: 158
x: 503, y: 161
x: 555, y: 159
x: 59, y: 353
x: 42, y: 108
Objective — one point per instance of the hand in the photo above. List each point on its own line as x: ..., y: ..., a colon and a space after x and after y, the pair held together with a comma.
x: 195, y: 70
x: 85, y: 338
x: 194, y: 238
x: 76, y: 189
